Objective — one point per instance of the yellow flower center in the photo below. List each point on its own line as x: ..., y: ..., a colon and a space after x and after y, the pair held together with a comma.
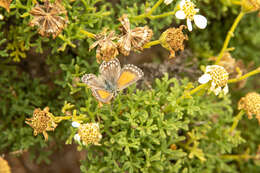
x: 189, y: 9
x: 219, y: 76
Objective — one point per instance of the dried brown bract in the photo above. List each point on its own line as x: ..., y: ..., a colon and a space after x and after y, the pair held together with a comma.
x: 51, y: 18
x: 173, y: 39
x: 251, y: 104
x: 132, y: 38
x: 107, y: 49
x: 4, y: 166
x: 5, y: 4
x: 41, y: 122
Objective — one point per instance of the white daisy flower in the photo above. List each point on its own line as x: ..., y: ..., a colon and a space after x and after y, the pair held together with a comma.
x: 167, y: 2
x: 189, y: 12
x: 218, y: 77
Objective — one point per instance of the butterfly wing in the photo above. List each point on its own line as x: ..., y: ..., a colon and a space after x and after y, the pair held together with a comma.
x: 102, y: 95
x: 129, y: 75
x: 97, y: 86
x: 110, y: 71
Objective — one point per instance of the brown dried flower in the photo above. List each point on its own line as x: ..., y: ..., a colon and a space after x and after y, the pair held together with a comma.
x: 250, y: 5
x: 4, y: 166
x: 41, y: 122
x: 106, y: 49
x: 51, y: 18
x: 5, y: 4
x: 173, y: 147
x: 173, y: 39
x: 132, y: 38
x: 251, y: 104
x: 89, y: 134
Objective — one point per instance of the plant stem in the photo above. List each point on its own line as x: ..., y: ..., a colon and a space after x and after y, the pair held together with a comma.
x: 229, y: 35
x: 154, y: 7
x: 148, y: 14
x: 236, y: 157
x: 162, y: 15
x: 256, y: 71
x: 151, y: 43
x: 193, y: 91
x: 237, y: 118
x: 236, y: 2
x: 88, y: 34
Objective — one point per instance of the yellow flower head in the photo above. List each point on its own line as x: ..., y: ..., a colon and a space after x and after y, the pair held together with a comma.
x: 250, y: 5
x: 41, y: 122
x: 189, y: 9
x: 89, y: 134
x: 173, y: 39
x: 218, y: 77
x: 4, y: 166
x: 251, y: 104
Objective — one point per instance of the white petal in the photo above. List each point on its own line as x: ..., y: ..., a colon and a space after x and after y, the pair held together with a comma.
x: 182, y: 3
x: 77, y: 137
x: 204, y: 78
x: 189, y: 25
x: 1, y: 17
x: 167, y: 2
x: 217, y: 90
x: 213, y: 86
x: 75, y: 124
x: 209, y: 68
x: 225, y: 89
x: 200, y: 21
x: 180, y: 14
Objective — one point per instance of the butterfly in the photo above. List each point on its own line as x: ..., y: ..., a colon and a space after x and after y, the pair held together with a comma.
x: 135, y: 38
x: 111, y: 79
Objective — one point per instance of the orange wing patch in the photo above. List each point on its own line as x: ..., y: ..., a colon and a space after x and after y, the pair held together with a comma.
x: 126, y: 78
x: 103, y: 94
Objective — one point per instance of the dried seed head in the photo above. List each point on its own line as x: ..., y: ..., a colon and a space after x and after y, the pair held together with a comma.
x: 41, y: 122
x: 173, y: 39
x: 4, y: 166
x: 51, y: 18
x: 251, y: 104
x: 250, y: 5
x: 106, y: 48
x: 132, y: 38
x: 89, y: 133
x: 228, y: 62
x: 5, y: 4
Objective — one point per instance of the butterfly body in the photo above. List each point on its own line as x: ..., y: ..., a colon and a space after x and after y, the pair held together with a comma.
x: 111, y: 79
